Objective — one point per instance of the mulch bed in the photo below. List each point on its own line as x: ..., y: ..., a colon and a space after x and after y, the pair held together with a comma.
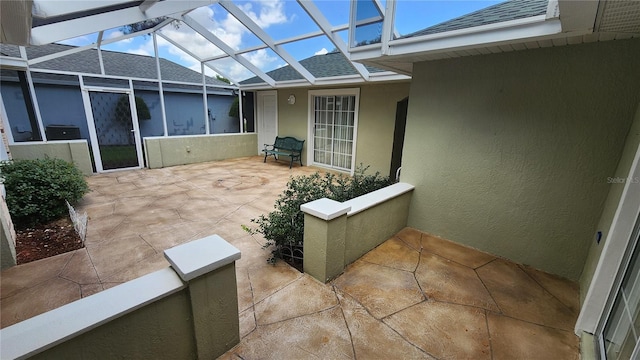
x: 45, y: 240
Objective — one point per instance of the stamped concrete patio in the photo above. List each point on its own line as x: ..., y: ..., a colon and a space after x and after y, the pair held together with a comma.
x: 415, y: 296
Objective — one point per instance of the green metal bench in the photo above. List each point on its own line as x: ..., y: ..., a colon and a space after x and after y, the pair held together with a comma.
x: 285, y: 146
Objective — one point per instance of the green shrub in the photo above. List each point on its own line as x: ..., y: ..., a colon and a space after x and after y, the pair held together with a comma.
x: 37, y: 189
x: 284, y: 227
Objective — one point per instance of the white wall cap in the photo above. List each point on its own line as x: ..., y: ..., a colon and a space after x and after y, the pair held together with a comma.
x: 325, y: 209
x: 201, y: 256
x: 42, y: 332
x: 374, y: 198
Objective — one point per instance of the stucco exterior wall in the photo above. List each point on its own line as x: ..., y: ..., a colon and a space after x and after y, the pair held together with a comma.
x: 510, y: 153
x: 75, y: 151
x: 370, y: 228
x: 376, y: 121
x: 611, y: 204
x: 178, y: 150
x: 166, y: 323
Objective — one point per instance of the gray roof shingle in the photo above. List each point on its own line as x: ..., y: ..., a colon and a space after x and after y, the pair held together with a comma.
x: 321, y: 66
x: 115, y: 63
x: 506, y: 11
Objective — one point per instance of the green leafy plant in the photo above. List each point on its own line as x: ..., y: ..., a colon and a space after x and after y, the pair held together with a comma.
x: 284, y: 227
x: 37, y: 189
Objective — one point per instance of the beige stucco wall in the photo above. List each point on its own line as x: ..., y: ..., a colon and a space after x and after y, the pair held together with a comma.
x: 75, y: 151
x: 611, y: 204
x: 372, y: 227
x: 510, y: 152
x: 162, y: 329
x: 376, y: 121
x: 180, y: 150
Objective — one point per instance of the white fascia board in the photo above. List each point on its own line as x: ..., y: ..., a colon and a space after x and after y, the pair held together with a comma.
x: 386, y: 76
x: 13, y: 63
x: 51, y: 8
x: 265, y: 38
x: 69, y: 29
x: 578, y: 15
x: 501, y: 33
x: 226, y: 48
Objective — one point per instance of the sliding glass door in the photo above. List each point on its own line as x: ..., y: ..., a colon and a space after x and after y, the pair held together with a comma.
x: 334, y: 127
x: 619, y: 336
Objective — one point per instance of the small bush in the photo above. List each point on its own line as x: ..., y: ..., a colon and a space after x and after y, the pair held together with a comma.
x: 284, y: 227
x: 37, y: 189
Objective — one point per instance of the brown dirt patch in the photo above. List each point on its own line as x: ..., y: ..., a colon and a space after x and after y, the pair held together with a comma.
x: 45, y: 240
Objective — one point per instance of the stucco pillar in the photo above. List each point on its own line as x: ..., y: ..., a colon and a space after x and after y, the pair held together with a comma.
x: 325, y: 232
x: 208, y: 266
x: 7, y: 234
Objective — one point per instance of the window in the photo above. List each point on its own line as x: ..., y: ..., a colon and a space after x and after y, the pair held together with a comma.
x: 333, y: 123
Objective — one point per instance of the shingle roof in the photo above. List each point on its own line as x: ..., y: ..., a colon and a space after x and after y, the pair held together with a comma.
x: 506, y: 11
x: 115, y: 63
x: 327, y: 65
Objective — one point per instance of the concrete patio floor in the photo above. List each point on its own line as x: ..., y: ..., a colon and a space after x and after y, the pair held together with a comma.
x: 415, y: 296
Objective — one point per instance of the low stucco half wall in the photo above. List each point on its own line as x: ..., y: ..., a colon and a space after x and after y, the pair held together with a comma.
x: 74, y: 151
x: 337, y: 234
x: 187, y: 311
x: 181, y: 150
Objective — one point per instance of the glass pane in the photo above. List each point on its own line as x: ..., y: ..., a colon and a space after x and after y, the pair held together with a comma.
x: 218, y: 112
x: 112, y: 117
x: 621, y: 330
x: 62, y: 111
x: 150, y: 121
x: 368, y: 26
x: 23, y: 128
x: 185, y: 109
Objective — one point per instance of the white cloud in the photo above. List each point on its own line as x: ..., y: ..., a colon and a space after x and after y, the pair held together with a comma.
x: 117, y: 33
x: 228, y: 29
x: 321, y: 52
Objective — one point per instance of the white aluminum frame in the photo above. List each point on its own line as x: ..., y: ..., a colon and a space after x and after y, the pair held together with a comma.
x: 311, y: 123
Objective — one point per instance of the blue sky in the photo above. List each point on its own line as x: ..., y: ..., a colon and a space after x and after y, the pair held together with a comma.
x: 281, y: 19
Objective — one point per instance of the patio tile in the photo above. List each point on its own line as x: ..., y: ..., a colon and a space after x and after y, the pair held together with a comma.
x: 116, y: 189
x: 115, y: 255
x: 445, y: 280
x: 98, y: 211
x: 201, y: 209
x: 322, y: 335
x: 245, y: 293
x: 304, y: 296
x: 564, y: 290
x: 178, y: 234
x: 517, y: 339
x: 173, y: 201
x: 252, y: 253
x: 373, y: 339
x: 229, y: 229
x: 459, y: 253
x: 394, y: 253
x: 90, y: 289
x: 25, y: 276
x: 247, y: 322
x: 412, y: 237
x: 129, y: 206
x: 51, y: 294
x: 98, y: 229
x: 520, y: 297
x: 445, y: 331
x: 80, y: 269
x: 381, y: 290
x: 265, y: 283
x: 135, y: 270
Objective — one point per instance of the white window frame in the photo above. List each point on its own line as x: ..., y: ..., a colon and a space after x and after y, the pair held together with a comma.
x: 311, y: 123
x: 615, y: 245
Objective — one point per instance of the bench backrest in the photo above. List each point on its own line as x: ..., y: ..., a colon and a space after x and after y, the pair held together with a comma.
x: 288, y: 143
